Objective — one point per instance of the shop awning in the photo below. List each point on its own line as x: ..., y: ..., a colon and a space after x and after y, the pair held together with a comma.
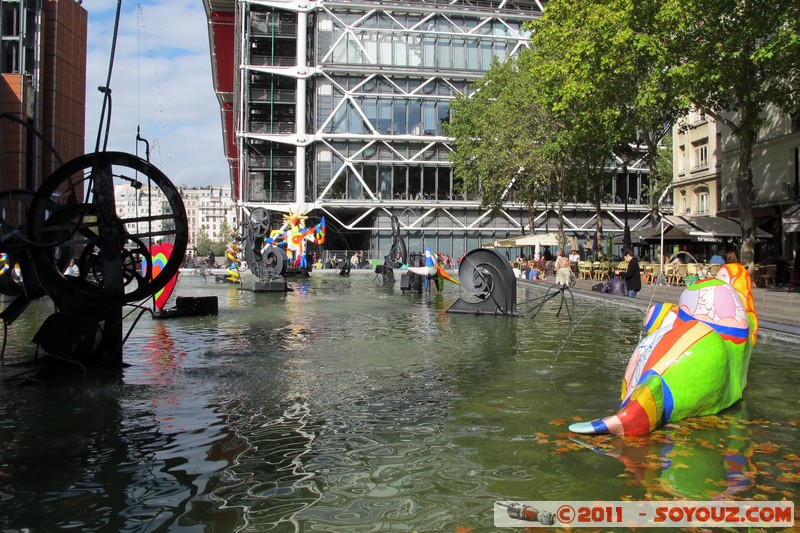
x: 791, y: 219
x: 699, y: 229
x: 540, y: 239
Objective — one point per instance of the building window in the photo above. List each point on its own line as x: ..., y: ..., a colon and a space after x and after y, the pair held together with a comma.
x: 702, y: 207
x: 700, y: 155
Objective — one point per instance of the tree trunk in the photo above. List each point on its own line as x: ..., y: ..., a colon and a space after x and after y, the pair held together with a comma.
x: 531, y: 217
x: 598, y: 209
x: 652, y: 163
x: 747, y: 131
x: 744, y: 184
x: 561, y: 239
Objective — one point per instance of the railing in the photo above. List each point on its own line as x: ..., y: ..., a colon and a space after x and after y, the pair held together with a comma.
x: 281, y: 163
x: 276, y: 61
x: 283, y: 96
x: 281, y: 128
x: 449, y: 4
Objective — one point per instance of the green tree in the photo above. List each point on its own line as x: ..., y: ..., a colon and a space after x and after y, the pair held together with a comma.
x: 599, y: 67
x: 204, y: 242
x: 220, y: 245
x: 505, y: 144
x: 735, y: 59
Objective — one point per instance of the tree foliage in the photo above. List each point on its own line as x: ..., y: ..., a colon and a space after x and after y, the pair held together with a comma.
x: 734, y: 59
x: 507, y: 145
x: 204, y: 242
x: 601, y: 69
x: 601, y: 77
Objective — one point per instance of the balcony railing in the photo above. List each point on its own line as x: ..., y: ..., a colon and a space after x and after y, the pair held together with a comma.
x: 263, y: 162
x: 282, y: 96
x: 281, y: 128
x: 259, y: 60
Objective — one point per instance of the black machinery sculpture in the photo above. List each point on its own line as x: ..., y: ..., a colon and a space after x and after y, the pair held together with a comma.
x: 73, y: 214
x: 268, y: 264
x: 490, y: 278
x: 397, y: 256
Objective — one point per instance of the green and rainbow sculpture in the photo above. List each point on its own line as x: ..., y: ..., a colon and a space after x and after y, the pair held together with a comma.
x: 694, y: 359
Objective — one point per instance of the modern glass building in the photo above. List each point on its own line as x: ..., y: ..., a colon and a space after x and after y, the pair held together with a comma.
x: 43, y: 89
x: 336, y: 107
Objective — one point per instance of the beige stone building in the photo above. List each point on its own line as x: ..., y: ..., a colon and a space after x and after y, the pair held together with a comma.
x: 207, y: 208
x: 706, y: 165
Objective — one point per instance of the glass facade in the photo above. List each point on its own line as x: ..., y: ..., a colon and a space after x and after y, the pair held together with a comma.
x: 340, y: 106
x: 382, y: 127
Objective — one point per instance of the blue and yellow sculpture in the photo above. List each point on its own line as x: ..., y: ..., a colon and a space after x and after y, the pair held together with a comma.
x: 693, y: 361
x: 233, y: 253
x: 433, y: 270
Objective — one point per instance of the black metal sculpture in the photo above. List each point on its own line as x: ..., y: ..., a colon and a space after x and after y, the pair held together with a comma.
x: 397, y: 256
x: 410, y: 281
x: 73, y: 215
x: 490, y: 278
x: 268, y: 264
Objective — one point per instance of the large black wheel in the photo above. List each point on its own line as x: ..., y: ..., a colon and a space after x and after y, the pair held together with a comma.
x: 259, y: 223
x: 72, y: 207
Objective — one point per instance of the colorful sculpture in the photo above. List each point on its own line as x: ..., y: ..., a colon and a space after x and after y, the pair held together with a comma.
x: 233, y: 253
x: 433, y: 271
x: 293, y: 236
x: 694, y: 360
x: 161, y: 253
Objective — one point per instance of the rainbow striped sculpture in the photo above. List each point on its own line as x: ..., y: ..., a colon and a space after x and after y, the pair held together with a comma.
x: 694, y: 359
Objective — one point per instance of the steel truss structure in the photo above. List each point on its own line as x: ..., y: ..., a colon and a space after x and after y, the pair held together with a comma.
x: 337, y: 107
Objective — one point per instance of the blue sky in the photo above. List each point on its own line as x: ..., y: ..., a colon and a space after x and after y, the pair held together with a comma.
x: 160, y: 82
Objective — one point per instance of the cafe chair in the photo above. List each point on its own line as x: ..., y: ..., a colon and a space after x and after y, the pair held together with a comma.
x: 768, y: 276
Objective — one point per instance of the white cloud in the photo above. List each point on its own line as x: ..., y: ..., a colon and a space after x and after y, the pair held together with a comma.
x: 161, y: 82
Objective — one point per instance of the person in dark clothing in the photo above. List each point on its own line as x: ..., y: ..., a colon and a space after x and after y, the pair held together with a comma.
x: 632, y: 276
x: 616, y: 285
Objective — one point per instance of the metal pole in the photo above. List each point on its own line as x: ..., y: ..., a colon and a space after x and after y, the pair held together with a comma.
x: 661, y: 278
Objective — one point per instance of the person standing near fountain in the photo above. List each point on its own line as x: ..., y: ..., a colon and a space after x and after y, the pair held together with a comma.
x: 562, y: 269
x: 632, y: 276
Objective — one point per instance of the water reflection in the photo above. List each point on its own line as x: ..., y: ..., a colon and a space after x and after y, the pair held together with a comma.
x: 346, y: 405
x: 708, y: 458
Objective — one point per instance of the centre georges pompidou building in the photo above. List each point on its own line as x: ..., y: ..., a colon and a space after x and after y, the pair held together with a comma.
x: 336, y: 107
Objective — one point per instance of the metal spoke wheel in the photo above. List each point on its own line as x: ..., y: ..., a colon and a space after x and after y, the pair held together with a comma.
x: 134, y: 254
x: 259, y: 222
x: 82, y: 205
x: 14, y: 242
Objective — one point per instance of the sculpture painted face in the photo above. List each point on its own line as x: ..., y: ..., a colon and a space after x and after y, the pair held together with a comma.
x: 739, y: 278
x: 714, y: 303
